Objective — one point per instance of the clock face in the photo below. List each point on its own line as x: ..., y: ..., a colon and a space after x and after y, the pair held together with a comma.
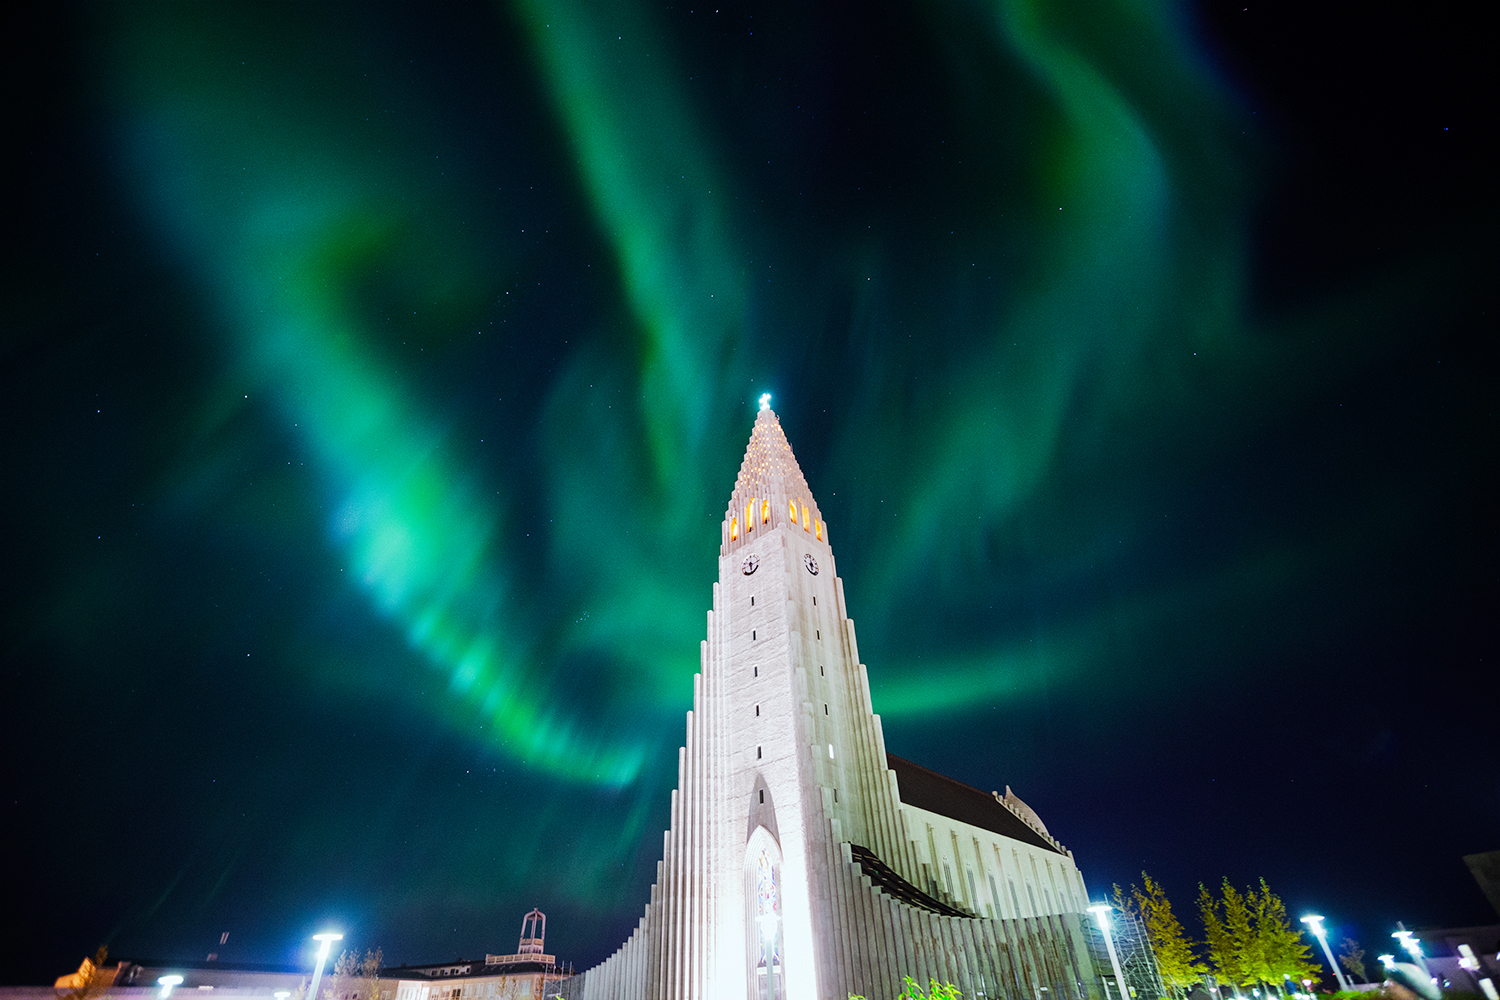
x: 810, y: 563
x: 751, y: 564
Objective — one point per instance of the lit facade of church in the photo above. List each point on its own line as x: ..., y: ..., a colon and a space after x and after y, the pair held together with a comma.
x: 804, y: 862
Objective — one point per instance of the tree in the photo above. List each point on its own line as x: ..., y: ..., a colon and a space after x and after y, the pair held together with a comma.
x: 1279, y: 949
x: 1352, y: 957
x: 355, y: 977
x: 1175, y: 961
x: 1222, y: 934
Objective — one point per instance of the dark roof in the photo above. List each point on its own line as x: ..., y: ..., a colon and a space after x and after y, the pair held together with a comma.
x: 938, y: 793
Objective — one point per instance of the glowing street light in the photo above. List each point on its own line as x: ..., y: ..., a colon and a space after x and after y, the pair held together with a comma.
x: 1315, y: 923
x: 166, y: 983
x: 325, y: 941
x: 1411, y: 944
x: 1101, y: 914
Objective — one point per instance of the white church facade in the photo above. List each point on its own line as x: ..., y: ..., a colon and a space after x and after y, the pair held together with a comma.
x: 803, y: 861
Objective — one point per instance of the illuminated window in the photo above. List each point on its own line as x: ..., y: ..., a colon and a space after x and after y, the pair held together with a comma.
x: 765, y: 511
x: 734, y: 528
x: 805, y: 525
x: 819, y: 526
x: 791, y: 510
x: 750, y: 514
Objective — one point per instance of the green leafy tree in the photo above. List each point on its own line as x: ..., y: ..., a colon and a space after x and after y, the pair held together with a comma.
x: 1239, y: 922
x: 1175, y: 961
x: 1280, y: 947
x: 1225, y: 950
x: 1352, y: 957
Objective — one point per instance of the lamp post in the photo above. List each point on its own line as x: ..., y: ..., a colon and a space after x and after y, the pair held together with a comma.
x: 1411, y: 944
x: 1316, y: 925
x: 325, y: 941
x: 166, y: 983
x: 1101, y: 914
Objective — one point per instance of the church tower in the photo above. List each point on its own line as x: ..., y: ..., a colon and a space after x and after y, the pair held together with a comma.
x: 792, y: 868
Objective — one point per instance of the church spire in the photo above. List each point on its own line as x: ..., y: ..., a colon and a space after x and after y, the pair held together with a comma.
x: 770, y: 491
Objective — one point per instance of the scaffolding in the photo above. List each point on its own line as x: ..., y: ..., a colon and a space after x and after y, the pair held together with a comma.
x: 1137, y: 960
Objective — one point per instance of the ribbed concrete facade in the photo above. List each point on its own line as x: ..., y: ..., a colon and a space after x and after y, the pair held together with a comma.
x: 791, y: 867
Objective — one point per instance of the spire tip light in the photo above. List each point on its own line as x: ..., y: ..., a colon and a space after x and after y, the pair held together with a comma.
x: 765, y: 401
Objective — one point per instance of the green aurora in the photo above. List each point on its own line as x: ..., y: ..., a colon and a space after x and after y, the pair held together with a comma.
x: 501, y: 309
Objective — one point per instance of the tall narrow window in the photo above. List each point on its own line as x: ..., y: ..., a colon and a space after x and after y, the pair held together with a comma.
x: 765, y: 511
x: 818, y: 525
x: 815, y: 601
x: 791, y: 510
x: 805, y: 525
x: 757, y: 753
x: 764, y: 923
x: 734, y: 528
x: 752, y: 600
x: 752, y: 635
x: 757, y: 711
x: 819, y: 633
x: 825, y: 708
x: 755, y: 671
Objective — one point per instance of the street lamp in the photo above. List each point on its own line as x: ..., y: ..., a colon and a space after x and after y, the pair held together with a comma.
x: 325, y: 941
x: 166, y: 983
x: 1101, y: 914
x: 1411, y: 944
x: 1316, y: 924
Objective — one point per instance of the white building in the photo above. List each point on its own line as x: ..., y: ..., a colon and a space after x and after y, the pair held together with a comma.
x: 804, y: 862
x: 529, y: 974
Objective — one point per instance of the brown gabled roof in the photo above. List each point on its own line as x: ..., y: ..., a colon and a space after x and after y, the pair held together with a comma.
x: 939, y: 793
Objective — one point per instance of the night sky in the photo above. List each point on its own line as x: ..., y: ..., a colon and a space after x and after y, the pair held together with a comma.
x: 375, y: 377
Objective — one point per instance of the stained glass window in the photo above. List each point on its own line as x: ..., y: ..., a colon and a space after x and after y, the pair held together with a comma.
x: 765, y: 887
